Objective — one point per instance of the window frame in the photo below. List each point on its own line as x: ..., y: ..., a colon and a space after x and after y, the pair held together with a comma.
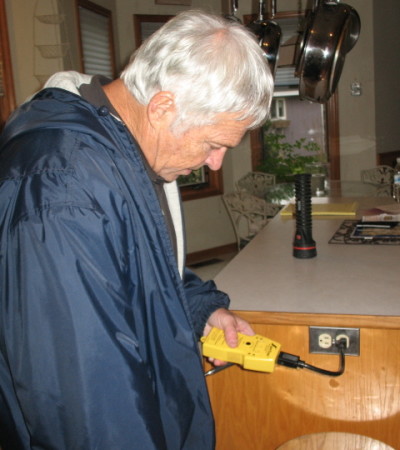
x: 97, y: 9
x: 278, y: 108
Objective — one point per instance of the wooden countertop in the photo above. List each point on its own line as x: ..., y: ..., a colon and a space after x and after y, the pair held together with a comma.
x: 360, y: 280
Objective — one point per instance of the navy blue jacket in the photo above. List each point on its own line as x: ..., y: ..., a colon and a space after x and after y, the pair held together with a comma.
x: 98, y: 329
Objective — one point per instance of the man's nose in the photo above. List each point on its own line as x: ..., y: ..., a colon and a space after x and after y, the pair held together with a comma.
x: 215, y: 159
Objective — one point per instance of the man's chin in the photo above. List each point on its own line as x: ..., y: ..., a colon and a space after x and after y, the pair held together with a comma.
x: 183, y: 173
x: 169, y: 177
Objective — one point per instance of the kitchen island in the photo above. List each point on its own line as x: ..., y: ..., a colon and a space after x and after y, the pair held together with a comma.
x: 344, y: 286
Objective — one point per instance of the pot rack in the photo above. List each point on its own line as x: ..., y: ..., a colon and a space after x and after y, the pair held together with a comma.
x: 328, y: 32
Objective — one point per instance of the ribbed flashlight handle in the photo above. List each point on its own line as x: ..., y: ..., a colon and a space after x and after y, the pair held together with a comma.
x: 303, y: 201
x: 303, y: 244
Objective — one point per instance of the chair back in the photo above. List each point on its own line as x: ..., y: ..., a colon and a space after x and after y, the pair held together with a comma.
x: 249, y: 214
x: 256, y: 183
x: 381, y: 177
x: 378, y: 175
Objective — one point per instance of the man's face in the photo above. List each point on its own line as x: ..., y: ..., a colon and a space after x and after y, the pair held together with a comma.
x: 206, y: 145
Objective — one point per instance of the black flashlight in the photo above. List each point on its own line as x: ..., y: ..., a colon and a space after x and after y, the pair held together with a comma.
x: 303, y: 244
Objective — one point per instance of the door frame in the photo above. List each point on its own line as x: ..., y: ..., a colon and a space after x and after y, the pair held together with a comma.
x: 7, y: 95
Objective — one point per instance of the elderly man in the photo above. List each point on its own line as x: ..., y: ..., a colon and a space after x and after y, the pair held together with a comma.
x: 100, y: 321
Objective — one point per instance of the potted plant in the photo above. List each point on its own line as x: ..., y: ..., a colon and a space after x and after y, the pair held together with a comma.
x: 285, y: 159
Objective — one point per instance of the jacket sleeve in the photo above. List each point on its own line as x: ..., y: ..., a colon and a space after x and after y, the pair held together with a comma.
x: 203, y: 299
x: 79, y: 377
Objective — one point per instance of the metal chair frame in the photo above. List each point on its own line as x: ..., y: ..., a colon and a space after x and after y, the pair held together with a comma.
x: 381, y: 177
x: 249, y: 214
x: 256, y: 183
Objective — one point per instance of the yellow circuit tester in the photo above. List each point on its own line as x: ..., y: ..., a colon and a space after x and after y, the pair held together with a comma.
x: 253, y: 352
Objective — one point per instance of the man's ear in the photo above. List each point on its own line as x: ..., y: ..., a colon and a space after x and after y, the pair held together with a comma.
x: 161, y: 108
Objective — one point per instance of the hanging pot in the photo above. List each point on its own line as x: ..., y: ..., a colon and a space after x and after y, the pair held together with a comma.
x: 331, y: 31
x: 232, y: 14
x: 268, y: 34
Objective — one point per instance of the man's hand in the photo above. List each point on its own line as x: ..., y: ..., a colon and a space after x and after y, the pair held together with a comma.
x: 231, y: 324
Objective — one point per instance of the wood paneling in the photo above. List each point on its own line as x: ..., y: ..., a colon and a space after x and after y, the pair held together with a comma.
x: 261, y: 411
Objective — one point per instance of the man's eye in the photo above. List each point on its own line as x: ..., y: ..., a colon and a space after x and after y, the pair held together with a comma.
x: 215, y: 147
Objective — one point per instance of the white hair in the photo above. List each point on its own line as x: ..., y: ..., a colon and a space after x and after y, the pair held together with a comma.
x: 210, y: 64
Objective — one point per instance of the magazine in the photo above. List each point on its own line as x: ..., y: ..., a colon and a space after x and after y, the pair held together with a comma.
x: 376, y: 230
x: 387, y: 213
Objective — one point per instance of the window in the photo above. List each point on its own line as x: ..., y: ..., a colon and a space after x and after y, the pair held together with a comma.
x: 278, y: 109
x: 96, y: 39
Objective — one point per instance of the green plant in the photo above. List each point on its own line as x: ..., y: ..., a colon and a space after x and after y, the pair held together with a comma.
x: 194, y: 178
x: 284, y: 159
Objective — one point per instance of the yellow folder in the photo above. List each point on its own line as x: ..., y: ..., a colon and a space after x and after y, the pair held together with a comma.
x: 325, y: 209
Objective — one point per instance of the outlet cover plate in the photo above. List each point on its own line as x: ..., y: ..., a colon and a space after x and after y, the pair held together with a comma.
x: 330, y: 334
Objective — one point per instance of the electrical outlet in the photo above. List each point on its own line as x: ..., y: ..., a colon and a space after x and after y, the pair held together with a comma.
x: 324, y: 339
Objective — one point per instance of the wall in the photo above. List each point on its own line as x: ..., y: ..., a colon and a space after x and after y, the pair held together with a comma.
x: 387, y: 75
x: 369, y: 123
x: 20, y: 16
x: 208, y: 224
x: 357, y: 114
x: 20, y: 24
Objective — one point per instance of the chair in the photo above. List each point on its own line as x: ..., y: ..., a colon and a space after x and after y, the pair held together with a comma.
x: 256, y: 183
x: 381, y: 177
x: 249, y: 214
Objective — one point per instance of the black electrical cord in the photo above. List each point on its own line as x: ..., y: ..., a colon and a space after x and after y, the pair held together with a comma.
x: 218, y: 369
x: 289, y: 360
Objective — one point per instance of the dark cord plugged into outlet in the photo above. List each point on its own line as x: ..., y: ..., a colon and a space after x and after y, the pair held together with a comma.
x: 289, y: 360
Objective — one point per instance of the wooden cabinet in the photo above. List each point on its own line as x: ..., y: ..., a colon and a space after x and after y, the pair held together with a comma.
x: 282, y: 296
x: 259, y: 411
